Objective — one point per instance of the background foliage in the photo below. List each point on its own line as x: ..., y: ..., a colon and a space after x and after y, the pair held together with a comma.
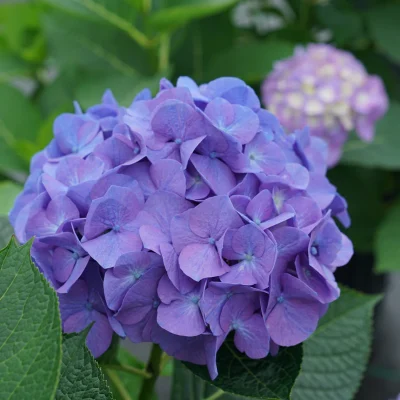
x: 55, y: 51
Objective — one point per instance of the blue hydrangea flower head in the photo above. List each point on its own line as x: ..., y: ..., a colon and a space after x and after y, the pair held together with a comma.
x: 329, y: 91
x: 184, y: 218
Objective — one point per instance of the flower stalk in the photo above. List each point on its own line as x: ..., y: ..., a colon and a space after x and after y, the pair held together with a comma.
x: 153, y: 368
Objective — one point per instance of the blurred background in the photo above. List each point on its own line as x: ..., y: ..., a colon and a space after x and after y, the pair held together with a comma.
x: 53, y: 52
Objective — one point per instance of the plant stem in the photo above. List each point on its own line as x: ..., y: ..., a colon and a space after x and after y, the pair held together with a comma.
x: 163, y: 52
x: 304, y: 13
x: 153, y: 368
x: 146, y: 6
x: 216, y: 395
x: 117, y: 384
x: 130, y: 370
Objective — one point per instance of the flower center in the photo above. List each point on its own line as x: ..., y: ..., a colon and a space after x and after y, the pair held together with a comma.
x: 280, y: 299
x: 156, y: 303
x: 89, y: 306
x: 137, y: 274
x: 195, y: 299
x: 257, y: 221
x: 213, y: 154
x: 314, y: 250
x: 75, y: 256
x: 178, y: 141
x: 116, y: 228
x: 211, y: 240
x: 248, y: 257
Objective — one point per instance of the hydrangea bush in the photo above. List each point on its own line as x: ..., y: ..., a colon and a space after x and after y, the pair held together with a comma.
x: 183, y: 218
x: 329, y: 91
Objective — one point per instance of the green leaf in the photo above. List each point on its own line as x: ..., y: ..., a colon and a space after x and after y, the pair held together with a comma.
x: 81, y: 376
x: 187, y: 386
x: 30, y: 329
x: 8, y: 193
x: 387, y: 249
x: 383, y: 23
x: 19, y: 120
x: 248, y: 61
x: 117, y: 13
x: 383, y: 151
x: 93, y: 45
x: 176, y: 13
x: 6, y: 231
x: 21, y: 30
x: 92, y: 86
x: 58, y: 94
x: 336, y: 355
x: 11, y: 66
x: 363, y: 189
x: 345, y: 24
x: 270, y: 378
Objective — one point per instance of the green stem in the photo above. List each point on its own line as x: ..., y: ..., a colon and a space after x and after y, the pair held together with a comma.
x: 304, y: 12
x: 216, y: 395
x: 153, y: 368
x: 163, y: 52
x: 130, y: 370
x: 146, y: 6
x: 118, y: 385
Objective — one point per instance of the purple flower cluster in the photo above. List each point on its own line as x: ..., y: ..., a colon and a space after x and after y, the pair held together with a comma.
x: 185, y: 217
x: 327, y: 90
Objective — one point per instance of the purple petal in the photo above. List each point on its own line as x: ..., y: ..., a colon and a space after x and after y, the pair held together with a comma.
x: 323, y: 284
x: 199, y: 261
x: 213, y: 217
x: 107, y: 248
x: 295, y: 315
x: 170, y: 317
x: 141, y: 298
x: 182, y: 282
x: 168, y: 176
x: 215, y: 173
x: 76, y: 273
x: 253, y: 338
x: 129, y: 268
x: 238, y: 121
x: 100, y: 335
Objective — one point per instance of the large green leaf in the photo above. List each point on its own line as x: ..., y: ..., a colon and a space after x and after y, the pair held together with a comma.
x: 383, y: 152
x: 93, y: 45
x: 387, y: 249
x: 118, y: 13
x: 19, y: 121
x: 346, y: 25
x: 176, y: 13
x: 11, y: 66
x: 6, y: 231
x: 20, y: 28
x: 81, y: 376
x: 271, y: 378
x: 383, y: 22
x: 188, y: 386
x: 248, y: 61
x: 92, y: 86
x: 363, y: 189
x: 336, y: 355
x: 30, y: 329
x: 8, y: 193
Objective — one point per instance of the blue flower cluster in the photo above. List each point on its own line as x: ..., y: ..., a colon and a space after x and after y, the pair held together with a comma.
x: 185, y: 217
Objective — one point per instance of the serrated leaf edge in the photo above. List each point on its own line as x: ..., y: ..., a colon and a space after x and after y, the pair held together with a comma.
x: 35, y: 270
